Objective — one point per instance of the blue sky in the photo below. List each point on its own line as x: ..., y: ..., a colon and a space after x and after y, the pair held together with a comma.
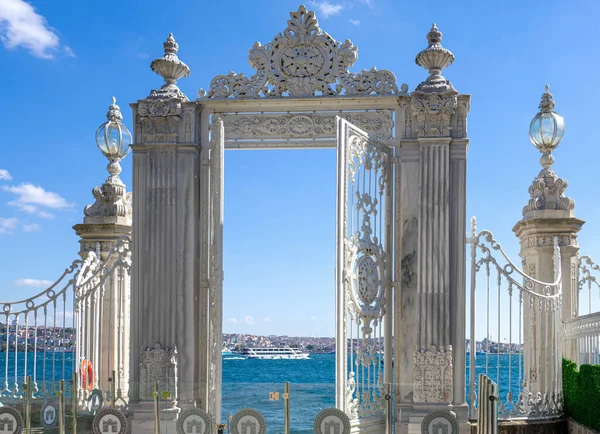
x: 62, y: 61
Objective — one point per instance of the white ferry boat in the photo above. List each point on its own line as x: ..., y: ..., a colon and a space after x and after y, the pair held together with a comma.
x: 272, y: 353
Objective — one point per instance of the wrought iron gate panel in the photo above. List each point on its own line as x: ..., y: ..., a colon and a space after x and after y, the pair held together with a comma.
x: 216, y: 265
x: 363, y: 284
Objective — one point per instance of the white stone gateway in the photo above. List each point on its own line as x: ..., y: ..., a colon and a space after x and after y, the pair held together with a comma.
x: 400, y: 276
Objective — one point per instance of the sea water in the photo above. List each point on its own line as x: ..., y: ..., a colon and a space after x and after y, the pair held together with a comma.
x: 247, y: 383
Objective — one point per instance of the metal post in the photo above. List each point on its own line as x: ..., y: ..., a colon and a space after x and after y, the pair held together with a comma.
x: 156, y: 410
x: 113, y: 390
x: 74, y: 402
x: 286, y: 408
x: 61, y: 407
x: 388, y: 408
x: 27, y: 398
x: 473, y: 343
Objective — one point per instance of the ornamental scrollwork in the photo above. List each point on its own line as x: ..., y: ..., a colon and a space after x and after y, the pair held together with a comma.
x: 548, y: 193
x: 433, y: 375
x: 432, y: 113
x: 267, y: 126
x: 112, y: 200
x: 303, y: 61
x: 158, y: 365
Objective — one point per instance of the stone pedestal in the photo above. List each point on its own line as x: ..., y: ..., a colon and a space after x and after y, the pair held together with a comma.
x: 548, y: 214
x: 430, y: 247
x: 106, y: 221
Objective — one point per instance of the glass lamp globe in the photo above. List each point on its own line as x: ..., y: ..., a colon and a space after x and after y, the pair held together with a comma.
x: 112, y: 137
x: 547, y: 127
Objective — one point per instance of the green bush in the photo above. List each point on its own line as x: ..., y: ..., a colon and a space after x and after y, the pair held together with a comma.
x: 581, y: 391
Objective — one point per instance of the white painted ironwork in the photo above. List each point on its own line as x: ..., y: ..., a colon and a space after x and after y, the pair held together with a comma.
x: 49, y: 335
x: 585, y: 328
x: 363, y: 273
x: 529, y: 310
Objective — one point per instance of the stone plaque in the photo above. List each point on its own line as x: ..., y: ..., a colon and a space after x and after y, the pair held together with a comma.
x: 332, y: 421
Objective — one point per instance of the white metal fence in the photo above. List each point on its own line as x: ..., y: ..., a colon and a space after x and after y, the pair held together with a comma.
x: 62, y: 330
x: 519, y: 327
x: 583, y: 331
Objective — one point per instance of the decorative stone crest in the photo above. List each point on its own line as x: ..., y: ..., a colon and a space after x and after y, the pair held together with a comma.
x: 433, y: 375
x: 159, y: 365
x: 303, y: 61
x: 434, y: 101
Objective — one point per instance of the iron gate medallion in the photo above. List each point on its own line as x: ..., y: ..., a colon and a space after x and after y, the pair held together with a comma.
x: 49, y: 415
x: 248, y: 420
x: 194, y: 421
x: 109, y: 420
x: 11, y: 421
x: 332, y: 420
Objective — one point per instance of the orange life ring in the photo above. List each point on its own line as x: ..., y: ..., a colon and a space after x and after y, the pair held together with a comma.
x: 87, y: 375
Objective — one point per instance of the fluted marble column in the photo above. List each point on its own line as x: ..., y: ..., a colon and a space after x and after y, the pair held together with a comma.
x: 167, y: 339
x: 430, y: 240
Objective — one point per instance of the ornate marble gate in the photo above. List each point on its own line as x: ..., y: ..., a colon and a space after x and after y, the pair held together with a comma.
x: 303, y: 95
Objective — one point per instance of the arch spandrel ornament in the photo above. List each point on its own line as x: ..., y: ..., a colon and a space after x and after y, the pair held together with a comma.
x: 303, y: 61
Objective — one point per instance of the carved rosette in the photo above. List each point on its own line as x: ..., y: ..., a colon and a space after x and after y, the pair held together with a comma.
x: 158, y: 365
x: 433, y: 376
x: 303, y: 61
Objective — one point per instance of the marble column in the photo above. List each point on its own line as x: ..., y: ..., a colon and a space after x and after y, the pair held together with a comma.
x: 106, y: 221
x: 167, y: 304
x: 548, y: 214
x: 430, y: 240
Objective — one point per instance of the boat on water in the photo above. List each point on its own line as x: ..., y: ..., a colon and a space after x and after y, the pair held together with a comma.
x: 226, y: 352
x: 274, y: 353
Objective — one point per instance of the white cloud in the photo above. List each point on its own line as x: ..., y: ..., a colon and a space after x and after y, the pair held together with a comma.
x: 4, y: 175
x: 327, y: 9
x: 368, y: 3
x: 69, y: 51
x: 354, y: 22
x: 36, y: 283
x: 7, y: 225
x: 22, y: 26
x: 31, y: 228
x: 265, y: 319
x: 233, y: 320
x: 249, y: 320
x: 31, y: 197
x: 313, y: 317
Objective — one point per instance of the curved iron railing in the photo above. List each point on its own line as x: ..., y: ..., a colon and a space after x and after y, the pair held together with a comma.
x: 527, y: 372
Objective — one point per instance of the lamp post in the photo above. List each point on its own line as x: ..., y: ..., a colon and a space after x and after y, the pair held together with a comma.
x: 546, y: 129
x: 113, y: 139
